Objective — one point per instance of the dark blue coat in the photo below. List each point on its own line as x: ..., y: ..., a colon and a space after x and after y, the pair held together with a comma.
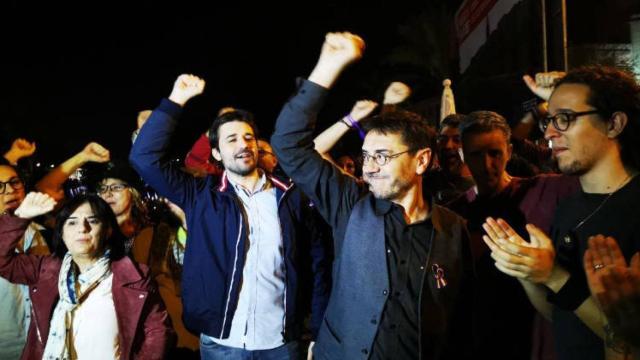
x: 215, y: 252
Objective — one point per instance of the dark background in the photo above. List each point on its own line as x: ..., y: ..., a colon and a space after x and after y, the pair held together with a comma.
x: 80, y: 73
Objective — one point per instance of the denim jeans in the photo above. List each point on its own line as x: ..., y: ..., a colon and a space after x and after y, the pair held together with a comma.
x: 209, y: 350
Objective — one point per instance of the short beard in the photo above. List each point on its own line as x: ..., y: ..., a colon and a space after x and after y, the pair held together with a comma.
x: 241, y: 171
x: 575, y: 168
x: 392, y: 192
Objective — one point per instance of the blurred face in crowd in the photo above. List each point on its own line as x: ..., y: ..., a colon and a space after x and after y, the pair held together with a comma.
x: 83, y: 233
x: 117, y: 194
x: 237, y: 148
x: 486, y: 154
x: 266, y: 159
x: 347, y: 164
x: 402, y: 170
x: 581, y: 146
x: 449, y: 145
x: 13, y: 189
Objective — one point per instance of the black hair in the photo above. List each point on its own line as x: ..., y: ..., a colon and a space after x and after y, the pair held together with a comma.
x: 111, y: 237
x: 412, y: 128
x: 453, y: 120
x: 612, y: 90
x: 235, y: 115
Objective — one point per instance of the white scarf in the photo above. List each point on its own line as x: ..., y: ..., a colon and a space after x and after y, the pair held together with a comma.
x: 73, y: 290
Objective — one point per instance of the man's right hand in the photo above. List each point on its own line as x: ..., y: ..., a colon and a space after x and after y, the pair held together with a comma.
x: 186, y: 87
x: 543, y: 84
x: 338, y: 51
x: 35, y: 204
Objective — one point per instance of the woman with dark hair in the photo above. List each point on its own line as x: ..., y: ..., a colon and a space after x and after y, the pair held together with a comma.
x: 159, y: 245
x: 89, y: 300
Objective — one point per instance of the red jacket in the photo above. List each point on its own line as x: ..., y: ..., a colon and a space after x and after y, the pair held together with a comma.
x: 197, y: 159
x: 144, y: 326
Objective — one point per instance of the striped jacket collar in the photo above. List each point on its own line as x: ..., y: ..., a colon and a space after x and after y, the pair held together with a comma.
x: 278, y: 183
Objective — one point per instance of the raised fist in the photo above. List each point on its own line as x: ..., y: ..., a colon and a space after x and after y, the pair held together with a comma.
x: 23, y: 148
x: 338, y: 51
x: 543, y: 84
x: 186, y: 87
x: 341, y: 49
x: 396, y: 93
x: 35, y: 204
x: 362, y: 109
x: 95, y: 152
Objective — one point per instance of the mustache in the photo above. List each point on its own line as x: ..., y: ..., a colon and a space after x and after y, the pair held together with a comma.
x: 243, y: 152
x: 374, y: 176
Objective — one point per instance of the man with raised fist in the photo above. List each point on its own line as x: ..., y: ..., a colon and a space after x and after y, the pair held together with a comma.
x: 402, y: 264
x: 247, y: 260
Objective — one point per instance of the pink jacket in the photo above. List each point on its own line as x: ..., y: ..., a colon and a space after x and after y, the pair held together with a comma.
x: 144, y: 325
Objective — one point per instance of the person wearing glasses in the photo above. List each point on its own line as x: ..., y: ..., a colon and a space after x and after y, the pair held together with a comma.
x: 594, y: 128
x: 267, y: 160
x: 15, y: 303
x: 160, y: 246
x: 506, y: 315
x: 119, y: 185
x: 402, y: 270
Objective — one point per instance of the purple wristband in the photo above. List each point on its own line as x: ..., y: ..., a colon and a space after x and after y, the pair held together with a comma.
x: 355, y: 125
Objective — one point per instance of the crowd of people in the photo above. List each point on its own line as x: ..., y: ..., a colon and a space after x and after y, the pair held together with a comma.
x: 468, y: 240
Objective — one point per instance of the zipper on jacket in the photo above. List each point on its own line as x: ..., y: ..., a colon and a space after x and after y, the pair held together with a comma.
x: 233, y: 275
x: 284, y: 254
x: 235, y: 263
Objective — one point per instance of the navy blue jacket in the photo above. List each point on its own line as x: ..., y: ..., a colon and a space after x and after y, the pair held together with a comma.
x: 215, y: 252
x: 360, y: 272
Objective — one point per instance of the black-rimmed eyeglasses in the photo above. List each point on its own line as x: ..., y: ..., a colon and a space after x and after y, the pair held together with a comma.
x: 15, y: 183
x: 562, y: 120
x: 380, y: 158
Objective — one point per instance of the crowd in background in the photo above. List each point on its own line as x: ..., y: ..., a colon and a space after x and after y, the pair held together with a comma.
x: 472, y: 239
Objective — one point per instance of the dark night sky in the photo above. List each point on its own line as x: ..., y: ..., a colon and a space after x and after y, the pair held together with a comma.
x: 70, y: 78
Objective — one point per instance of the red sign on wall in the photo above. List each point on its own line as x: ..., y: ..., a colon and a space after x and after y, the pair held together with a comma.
x: 470, y: 14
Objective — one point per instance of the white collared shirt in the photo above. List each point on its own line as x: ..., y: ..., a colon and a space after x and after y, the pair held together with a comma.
x: 258, y: 322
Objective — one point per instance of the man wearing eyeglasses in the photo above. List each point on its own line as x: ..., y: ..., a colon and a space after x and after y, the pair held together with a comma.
x: 594, y: 127
x: 402, y: 264
x: 267, y: 160
x: 506, y: 314
x: 15, y: 305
